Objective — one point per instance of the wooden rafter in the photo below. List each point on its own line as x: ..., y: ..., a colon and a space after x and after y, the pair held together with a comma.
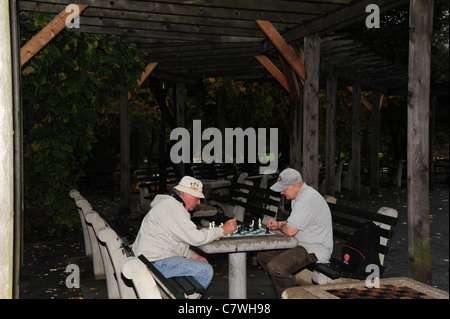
x: 272, y: 68
x: 291, y: 80
x: 283, y: 47
x: 148, y: 69
x: 44, y: 36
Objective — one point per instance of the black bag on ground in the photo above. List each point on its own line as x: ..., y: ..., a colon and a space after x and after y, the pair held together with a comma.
x: 361, y: 249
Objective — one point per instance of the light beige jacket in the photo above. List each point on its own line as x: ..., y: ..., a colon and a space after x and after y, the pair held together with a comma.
x: 167, y: 231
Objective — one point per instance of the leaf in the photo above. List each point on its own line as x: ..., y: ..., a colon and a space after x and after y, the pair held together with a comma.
x: 67, y: 148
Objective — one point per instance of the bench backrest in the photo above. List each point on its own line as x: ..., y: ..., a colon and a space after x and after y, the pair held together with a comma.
x: 97, y: 222
x: 117, y: 253
x: 258, y: 202
x: 157, y: 179
x: 143, y: 281
x: 346, y: 220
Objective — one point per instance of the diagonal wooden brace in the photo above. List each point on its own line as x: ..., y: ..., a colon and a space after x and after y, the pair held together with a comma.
x: 44, y: 36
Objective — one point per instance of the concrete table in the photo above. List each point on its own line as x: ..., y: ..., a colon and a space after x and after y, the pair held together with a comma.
x: 388, y: 288
x: 237, y: 248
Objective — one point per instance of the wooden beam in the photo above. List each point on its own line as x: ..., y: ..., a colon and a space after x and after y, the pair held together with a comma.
x: 272, y: 68
x: 377, y: 98
x: 233, y: 10
x: 44, y: 36
x: 6, y: 157
x: 363, y: 99
x: 339, y: 19
x: 330, y: 132
x: 311, y: 112
x: 418, y: 161
x: 125, y: 200
x: 291, y: 80
x: 148, y: 69
x: 356, y: 142
x: 283, y: 47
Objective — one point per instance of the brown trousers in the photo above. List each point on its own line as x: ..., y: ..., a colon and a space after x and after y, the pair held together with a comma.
x: 283, y: 264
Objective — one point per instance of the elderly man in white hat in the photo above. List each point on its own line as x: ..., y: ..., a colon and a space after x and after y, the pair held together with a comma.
x: 309, y: 222
x: 167, y: 232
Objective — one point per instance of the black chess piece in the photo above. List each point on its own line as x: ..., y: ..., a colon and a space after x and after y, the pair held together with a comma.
x: 267, y: 230
x: 255, y: 225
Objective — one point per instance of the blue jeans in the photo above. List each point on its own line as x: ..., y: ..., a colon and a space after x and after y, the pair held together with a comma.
x: 180, y: 266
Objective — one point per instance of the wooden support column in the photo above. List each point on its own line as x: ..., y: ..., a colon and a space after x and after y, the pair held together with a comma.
x: 432, y: 130
x: 44, y: 36
x: 292, y: 61
x: 181, y: 115
x: 124, y: 155
x: 311, y: 112
x: 330, y: 143
x: 375, y: 161
x: 295, y: 117
x: 421, y: 26
x: 6, y: 157
x: 356, y: 142
x: 125, y: 144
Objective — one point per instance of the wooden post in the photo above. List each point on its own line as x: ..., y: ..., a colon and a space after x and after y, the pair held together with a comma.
x: 124, y: 155
x: 6, y: 158
x: 432, y: 129
x: 295, y: 116
x: 311, y: 112
x: 375, y: 162
x: 293, y: 57
x: 356, y: 142
x: 181, y: 115
x: 330, y: 143
x: 421, y: 26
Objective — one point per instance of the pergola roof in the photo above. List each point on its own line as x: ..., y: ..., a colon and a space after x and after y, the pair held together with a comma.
x: 207, y: 38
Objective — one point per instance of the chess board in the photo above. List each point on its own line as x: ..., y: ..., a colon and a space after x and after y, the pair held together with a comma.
x: 396, y: 291
x: 257, y: 232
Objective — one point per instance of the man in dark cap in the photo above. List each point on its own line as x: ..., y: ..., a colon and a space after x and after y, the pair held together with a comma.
x: 309, y: 221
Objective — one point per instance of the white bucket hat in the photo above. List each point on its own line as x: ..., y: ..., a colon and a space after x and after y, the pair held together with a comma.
x: 191, y: 186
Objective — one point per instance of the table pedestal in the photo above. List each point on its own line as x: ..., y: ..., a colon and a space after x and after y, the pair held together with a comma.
x: 238, y: 275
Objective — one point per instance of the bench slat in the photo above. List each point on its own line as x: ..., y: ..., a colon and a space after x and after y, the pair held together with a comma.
x: 364, y: 214
x: 341, y: 220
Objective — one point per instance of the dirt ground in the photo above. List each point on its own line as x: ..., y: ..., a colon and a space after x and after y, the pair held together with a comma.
x: 46, y: 257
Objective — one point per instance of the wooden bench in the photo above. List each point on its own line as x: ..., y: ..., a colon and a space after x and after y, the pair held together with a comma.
x: 155, y: 181
x: 213, y: 171
x: 246, y: 201
x: 346, y: 221
x: 109, y: 244
x: 143, y: 281
x: 181, y: 287
x: 440, y: 170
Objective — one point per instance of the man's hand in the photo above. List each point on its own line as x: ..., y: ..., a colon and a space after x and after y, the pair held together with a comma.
x: 283, y: 226
x: 272, y: 224
x: 195, y: 256
x: 229, y: 227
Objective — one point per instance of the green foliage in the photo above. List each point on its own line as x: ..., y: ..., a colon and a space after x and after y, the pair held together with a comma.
x: 246, y: 104
x: 62, y: 87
